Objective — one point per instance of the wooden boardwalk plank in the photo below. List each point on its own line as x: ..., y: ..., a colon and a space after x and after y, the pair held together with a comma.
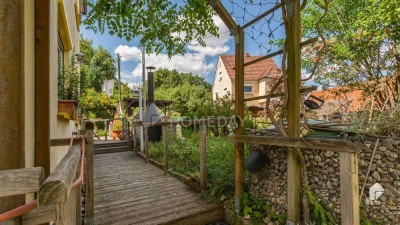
x: 127, y: 190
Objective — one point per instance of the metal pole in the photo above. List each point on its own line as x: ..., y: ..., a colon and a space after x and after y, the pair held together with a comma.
x: 119, y: 83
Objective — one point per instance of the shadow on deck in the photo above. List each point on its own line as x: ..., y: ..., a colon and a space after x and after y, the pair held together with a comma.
x: 130, y: 191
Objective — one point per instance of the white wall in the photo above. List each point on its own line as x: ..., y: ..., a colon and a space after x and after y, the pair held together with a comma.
x: 221, y: 81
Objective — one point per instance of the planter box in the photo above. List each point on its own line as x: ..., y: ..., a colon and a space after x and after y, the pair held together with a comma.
x: 67, y: 108
x: 115, y: 134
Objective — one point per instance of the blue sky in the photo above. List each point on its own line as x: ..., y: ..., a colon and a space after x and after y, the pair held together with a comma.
x: 198, y: 60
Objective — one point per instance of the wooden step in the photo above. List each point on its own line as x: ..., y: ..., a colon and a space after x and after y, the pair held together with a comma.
x: 111, y: 149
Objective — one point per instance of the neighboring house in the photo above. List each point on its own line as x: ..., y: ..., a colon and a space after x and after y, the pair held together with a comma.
x: 337, y: 101
x: 256, y: 78
x: 36, y: 40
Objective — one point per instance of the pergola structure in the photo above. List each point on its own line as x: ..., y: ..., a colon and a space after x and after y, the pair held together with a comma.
x: 132, y: 103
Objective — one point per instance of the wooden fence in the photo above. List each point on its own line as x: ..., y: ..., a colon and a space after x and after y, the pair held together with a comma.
x: 59, y: 195
x: 203, y: 124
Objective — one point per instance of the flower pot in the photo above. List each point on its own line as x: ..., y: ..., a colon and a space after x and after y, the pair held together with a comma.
x: 115, y: 134
x: 68, y: 107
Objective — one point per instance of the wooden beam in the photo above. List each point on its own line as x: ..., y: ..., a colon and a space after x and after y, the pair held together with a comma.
x: 42, y: 85
x: 269, y: 11
x: 293, y: 116
x: 208, y: 122
x: 239, y: 113
x: 40, y: 215
x: 349, y: 199
x: 224, y: 15
x: 12, y: 101
x: 322, y: 144
x: 20, y: 181
x: 303, y: 90
x: 302, y: 44
x: 57, y: 187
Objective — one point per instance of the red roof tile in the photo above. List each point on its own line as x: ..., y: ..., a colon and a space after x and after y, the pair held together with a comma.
x: 256, y: 71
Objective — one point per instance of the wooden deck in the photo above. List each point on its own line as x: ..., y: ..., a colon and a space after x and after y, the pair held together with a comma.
x: 130, y: 191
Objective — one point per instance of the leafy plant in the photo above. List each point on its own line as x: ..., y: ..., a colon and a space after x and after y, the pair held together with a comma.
x: 319, y: 213
x: 68, y: 80
x: 257, y: 209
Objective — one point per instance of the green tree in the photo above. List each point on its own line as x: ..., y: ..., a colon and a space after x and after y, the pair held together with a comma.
x: 362, y: 45
x: 126, y: 92
x: 98, y: 65
x: 189, y: 92
x: 162, y: 24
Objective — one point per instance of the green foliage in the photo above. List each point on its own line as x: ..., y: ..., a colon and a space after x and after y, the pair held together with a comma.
x: 184, y: 159
x: 189, y: 92
x: 98, y: 65
x: 97, y: 105
x: 319, y: 213
x: 101, y: 133
x: 117, y: 125
x: 376, y: 122
x: 162, y: 25
x: 68, y: 80
x: 257, y: 209
x: 362, y: 39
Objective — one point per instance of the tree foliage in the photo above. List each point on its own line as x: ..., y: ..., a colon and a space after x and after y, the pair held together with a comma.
x: 97, y: 104
x: 362, y: 45
x: 162, y: 24
x: 189, y: 92
x: 98, y: 65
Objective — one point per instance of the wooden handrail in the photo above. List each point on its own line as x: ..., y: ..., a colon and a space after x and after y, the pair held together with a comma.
x: 20, y: 181
x: 64, y: 141
x: 305, y: 143
x: 57, y: 187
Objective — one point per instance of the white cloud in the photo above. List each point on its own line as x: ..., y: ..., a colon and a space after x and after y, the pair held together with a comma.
x: 194, y: 61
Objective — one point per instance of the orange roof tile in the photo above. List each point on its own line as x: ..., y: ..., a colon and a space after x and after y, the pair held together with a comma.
x: 254, y: 72
x: 340, y: 98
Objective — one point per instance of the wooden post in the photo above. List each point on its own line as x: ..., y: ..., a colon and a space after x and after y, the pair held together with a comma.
x: 239, y: 112
x: 293, y: 117
x: 134, y: 137
x: 107, y: 124
x: 12, y: 94
x: 77, y: 190
x: 146, y: 142
x: 60, y: 214
x: 42, y: 83
x: 203, y: 156
x: 89, y: 197
x: 349, y: 199
x: 165, y: 141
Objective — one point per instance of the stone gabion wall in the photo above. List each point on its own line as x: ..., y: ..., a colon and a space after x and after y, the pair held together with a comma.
x: 324, y: 179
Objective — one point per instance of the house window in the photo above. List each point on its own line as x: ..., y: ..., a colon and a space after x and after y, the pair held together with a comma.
x: 248, y: 89
x: 225, y: 89
x: 220, y: 72
x: 60, y: 62
x: 220, y: 79
x: 216, y: 94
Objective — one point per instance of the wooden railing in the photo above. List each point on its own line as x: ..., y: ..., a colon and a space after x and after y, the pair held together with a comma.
x: 203, y: 124
x: 59, y: 195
